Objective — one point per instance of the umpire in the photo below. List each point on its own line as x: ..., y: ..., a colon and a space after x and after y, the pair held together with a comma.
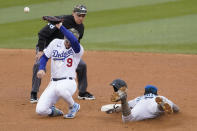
x: 50, y: 32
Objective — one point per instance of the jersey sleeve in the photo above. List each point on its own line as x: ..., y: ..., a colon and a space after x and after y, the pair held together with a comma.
x: 49, y: 50
x: 43, y: 62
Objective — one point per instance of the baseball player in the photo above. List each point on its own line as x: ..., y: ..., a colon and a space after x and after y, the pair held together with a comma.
x: 150, y: 105
x: 50, y: 32
x: 65, y: 56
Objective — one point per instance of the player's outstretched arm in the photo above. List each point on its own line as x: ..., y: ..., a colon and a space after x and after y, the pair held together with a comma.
x: 73, y: 40
x: 42, y: 67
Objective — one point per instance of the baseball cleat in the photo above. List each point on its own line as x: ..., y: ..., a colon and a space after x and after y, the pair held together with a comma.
x: 33, y: 101
x: 86, y: 96
x: 72, y: 111
x: 164, y: 105
x: 111, y: 108
x: 118, y: 96
x: 56, y: 112
x: 33, y: 98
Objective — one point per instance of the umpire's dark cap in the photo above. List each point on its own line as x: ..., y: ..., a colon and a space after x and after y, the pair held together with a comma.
x: 80, y: 9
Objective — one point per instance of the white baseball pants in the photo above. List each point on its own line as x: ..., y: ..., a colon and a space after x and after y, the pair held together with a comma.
x: 63, y: 88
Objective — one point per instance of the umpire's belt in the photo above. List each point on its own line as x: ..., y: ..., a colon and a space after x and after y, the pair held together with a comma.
x: 57, y: 79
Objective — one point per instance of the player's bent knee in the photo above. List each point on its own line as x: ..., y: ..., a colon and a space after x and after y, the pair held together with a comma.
x: 41, y: 111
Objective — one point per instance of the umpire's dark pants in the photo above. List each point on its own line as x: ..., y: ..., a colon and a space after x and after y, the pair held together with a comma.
x: 81, y: 76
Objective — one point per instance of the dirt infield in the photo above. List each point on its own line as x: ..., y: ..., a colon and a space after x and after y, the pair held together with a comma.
x: 174, y: 74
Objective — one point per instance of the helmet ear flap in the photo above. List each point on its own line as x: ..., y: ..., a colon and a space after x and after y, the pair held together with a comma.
x: 115, y: 89
x: 124, y: 89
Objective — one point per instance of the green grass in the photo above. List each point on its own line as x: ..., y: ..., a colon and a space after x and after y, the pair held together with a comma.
x: 20, y: 35
x: 140, y: 13
x: 167, y: 26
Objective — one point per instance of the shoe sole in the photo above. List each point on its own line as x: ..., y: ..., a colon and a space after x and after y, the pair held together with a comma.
x: 65, y: 117
x: 85, y: 98
x: 34, y: 101
x: 60, y: 114
x: 107, y: 107
x: 165, y: 106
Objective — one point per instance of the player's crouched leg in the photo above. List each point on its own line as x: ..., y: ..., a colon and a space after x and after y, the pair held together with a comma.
x: 43, y: 111
x: 46, y: 111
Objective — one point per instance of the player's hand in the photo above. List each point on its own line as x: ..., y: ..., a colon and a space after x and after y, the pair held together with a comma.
x: 58, y: 25
x: 39, y: 54
x: 40, y: 74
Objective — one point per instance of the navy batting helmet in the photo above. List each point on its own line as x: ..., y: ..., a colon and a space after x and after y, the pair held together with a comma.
x: 150, y: 89
x: 117, y: 84
x: 75, y: 32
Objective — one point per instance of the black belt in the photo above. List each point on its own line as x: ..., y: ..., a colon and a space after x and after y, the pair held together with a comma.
x: 57, y: 79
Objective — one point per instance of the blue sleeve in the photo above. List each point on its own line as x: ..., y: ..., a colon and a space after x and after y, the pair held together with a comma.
x: 73, y: 40
x: 43, y: 62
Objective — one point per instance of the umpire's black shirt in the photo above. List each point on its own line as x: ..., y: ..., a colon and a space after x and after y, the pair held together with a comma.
x: 50, y: 32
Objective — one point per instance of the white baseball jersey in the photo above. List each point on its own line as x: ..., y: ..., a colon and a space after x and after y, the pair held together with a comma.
x: 63, y: 61
x: 144, y: 107
x: 63, y: 64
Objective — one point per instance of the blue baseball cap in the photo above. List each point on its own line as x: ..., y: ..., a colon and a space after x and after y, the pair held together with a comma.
x: 150, y: 89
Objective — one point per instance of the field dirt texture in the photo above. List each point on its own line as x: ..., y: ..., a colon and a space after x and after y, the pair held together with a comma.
x: 175, y: 75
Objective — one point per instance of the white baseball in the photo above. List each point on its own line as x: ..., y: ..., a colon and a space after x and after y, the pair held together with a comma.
x: 26, y: 9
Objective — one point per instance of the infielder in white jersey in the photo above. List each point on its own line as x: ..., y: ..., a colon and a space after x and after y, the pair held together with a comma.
x: 65, y: 56
x: 150, y: 105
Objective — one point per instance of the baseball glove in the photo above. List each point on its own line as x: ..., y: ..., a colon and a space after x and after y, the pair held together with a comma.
x: 52, y: 19
x: 120, y: 90
x: 117, y: 96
